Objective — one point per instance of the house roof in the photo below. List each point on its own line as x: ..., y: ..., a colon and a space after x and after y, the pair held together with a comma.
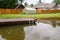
x: 44, y: 5
x: 19, y: 6
x: 49, y: 5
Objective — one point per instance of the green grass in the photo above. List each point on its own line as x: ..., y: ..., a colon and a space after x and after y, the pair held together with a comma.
x: 57, y: 15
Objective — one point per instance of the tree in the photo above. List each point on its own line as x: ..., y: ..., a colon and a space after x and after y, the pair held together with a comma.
x: 31, y: 5
x: 25, y: 4
x: 11, y: 3
x: 40, y: 1
x: 21, y: 1
x: 1, y: 4
x: 8, y: 3
x: 57, y: 2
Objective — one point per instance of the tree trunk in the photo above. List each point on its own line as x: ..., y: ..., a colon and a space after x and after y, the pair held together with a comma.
x: 56, y: 6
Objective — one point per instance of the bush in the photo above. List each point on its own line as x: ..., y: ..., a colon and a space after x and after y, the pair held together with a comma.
x: 24, y: 13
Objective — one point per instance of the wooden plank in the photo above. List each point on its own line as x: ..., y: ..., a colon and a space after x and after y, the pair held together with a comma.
x: 17, y: 21
x: 20, y: 19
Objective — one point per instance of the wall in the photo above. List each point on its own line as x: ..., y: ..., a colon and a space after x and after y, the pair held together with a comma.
x: 47, y: 11
x: 31, y: 11
x: 10, y: 11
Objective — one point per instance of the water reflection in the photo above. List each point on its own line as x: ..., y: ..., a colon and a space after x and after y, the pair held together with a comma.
x: 42, y: 31
x: 1, y: 38
x: 57, y: 33
x: 12, y: 32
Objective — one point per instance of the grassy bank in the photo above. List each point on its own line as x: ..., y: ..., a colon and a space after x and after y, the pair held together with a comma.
x: 54, y: 15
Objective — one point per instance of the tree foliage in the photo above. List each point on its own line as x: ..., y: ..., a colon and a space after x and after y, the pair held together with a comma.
x: 57, y: 1
x: 8, y: 3
x: 25, y: 4
x: 21, y: 1
x: 40, y: 1
x: 31, y: 5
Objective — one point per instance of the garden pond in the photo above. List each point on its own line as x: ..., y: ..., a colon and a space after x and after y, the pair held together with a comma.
x: 18, y: 32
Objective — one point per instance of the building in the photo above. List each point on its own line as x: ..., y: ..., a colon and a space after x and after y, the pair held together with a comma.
x: 19, y: 6
x: 47, y: 8
x: 30, y: 10
x: 44, y: 5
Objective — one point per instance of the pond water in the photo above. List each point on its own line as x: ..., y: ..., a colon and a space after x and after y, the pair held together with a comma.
x: 19, y: 32
x: 12, y: 32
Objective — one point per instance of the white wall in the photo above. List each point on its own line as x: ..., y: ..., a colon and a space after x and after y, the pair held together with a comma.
x: 30, y: 10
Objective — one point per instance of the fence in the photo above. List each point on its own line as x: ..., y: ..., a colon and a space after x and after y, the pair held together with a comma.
x: 10, y: 11
x: 47, y: 11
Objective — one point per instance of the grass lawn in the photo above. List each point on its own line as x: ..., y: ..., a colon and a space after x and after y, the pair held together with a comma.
x: 54, y: 15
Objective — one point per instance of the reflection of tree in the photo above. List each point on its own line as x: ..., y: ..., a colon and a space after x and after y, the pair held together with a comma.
x: 54, y: 23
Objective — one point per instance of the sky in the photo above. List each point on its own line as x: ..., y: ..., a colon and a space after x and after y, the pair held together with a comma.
x: 36, y: 1
x: 31, y: 1
x: 47, y: 1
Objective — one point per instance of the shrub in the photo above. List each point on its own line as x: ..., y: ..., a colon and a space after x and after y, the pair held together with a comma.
x: 23, y: 13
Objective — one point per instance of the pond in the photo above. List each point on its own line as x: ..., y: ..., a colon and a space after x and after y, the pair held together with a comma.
x: 17, y: 32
